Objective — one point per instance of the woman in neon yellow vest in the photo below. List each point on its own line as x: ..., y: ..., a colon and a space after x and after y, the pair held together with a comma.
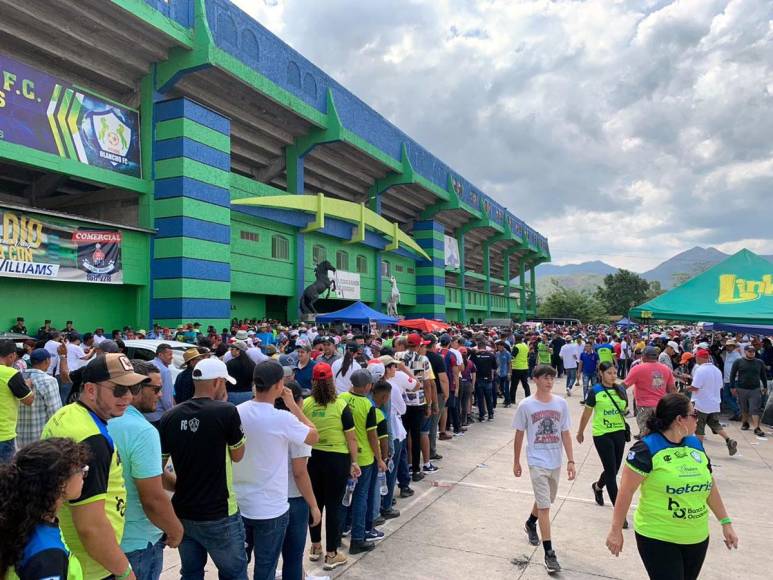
x: 677, y: 492
x: 33, y: 487
x: 608, y: 403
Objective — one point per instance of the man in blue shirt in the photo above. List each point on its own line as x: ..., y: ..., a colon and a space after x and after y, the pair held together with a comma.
x: 504, y: 359
x: 149, y: 511
x: 164, y: 356
x: 265, y: 335
x: 304, y: 369
x: 589, y: 362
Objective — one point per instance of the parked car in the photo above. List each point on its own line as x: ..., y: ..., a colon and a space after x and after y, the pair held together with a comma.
x: 146, y: 350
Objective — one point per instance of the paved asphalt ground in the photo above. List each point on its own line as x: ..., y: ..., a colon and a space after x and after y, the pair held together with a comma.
x: 466, y: 521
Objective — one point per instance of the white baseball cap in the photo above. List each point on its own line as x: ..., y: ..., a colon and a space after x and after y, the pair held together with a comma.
x: 674, y: 345
x: 211, y: 368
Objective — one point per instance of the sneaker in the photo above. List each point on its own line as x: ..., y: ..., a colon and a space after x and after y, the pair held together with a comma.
x: 736, y: 417
x: 744, y: 427
x: 359, y: 546
x: 491, y: 418
x: 582, y: 402
x: 463, y: 429
x: 345, y: 533
x: 481, y: 419
x: 531, y: 531
x: 732, y: 447
x: 429, y: 468
x: 389, y: 514
x: 436, y: 457
x: 568, y: 392
x: 315, y: 553
x: 379, y: 521
x: 551, y: 562
x: 333, y: 562
x: 759, y: 432
x: 598, y: 494
x: 459, y: 434
x: 406, y: 492
x: 374, y: 535
x: 417, y: 476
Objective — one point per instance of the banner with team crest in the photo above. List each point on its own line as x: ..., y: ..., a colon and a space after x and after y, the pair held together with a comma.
x: 33, y: 248
x: 44, y: 113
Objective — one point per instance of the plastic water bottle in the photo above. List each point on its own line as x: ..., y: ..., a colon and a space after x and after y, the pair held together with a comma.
x: 382, y: 484
x: 351, y: 483
x: 390, y: 465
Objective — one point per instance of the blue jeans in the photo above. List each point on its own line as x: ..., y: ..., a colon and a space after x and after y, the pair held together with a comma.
x: 265, y: 539
x: 397, y: 457
x: 147, y: 562
x: 222, y: 539
x: 401, y: 464
x: 587, y: 383
x: 571, y: 376
x: 7, y: 450
x: 729, y: 400
x: 504, y: 384
x: 484, y: 392
x: 239, y: 397
x: 362, y: 504
x: 295, y: 540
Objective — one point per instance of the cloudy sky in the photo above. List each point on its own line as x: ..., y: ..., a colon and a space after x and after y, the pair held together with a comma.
x: 624, y: 130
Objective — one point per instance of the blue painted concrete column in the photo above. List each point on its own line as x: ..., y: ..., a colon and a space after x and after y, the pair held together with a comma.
x: 430, y: 275
x: 190, y: 266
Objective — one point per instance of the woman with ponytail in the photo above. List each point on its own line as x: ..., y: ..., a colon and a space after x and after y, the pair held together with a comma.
x: 343, y: 368
x: 41, y: 477
x: 677, y: 491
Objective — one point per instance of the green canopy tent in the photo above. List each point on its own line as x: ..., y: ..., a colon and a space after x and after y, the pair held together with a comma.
x: 737, y: 290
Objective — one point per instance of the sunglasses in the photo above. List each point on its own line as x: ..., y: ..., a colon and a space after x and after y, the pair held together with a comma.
x: 693, y: 414
x: 156, y: 389
x: 121, y: 390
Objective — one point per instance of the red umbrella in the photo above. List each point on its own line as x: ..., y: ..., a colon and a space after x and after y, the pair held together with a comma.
x: 424, y: 324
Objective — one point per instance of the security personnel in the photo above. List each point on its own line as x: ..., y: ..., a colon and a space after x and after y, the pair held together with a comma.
x: 677, y: 491
x: 13, y: 391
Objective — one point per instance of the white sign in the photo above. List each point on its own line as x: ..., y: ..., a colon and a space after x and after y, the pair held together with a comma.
x: 452, y: 252
x: 347, y: 285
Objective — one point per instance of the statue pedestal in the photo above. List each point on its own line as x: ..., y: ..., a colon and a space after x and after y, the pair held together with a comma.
x: 308, y: 317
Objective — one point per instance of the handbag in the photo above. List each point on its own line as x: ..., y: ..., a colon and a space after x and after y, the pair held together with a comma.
x: 627, y: 426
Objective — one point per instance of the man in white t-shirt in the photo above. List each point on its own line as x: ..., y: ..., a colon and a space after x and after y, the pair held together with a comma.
x: 570, y: 355
x: 401, y: 383
x: 544, y: 419
x: 260, y: 480
x: 706, y: 391
x: 76, y: 356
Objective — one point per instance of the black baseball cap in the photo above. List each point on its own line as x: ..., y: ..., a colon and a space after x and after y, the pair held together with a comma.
x: 267, y: 374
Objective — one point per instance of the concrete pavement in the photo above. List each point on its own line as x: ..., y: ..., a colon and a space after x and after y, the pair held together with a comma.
x: 467, y: 519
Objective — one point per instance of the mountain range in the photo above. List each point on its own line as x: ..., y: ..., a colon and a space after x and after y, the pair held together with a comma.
x: 588, y: 275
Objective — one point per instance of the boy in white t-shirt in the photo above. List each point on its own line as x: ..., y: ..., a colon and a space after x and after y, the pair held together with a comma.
x: 544, y: 419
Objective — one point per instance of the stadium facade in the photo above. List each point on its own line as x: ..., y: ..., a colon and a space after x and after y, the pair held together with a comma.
x: 173, y: 160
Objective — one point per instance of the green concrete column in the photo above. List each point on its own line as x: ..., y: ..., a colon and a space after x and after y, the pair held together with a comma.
x: 487, y: 273
x: 462, y: 280
x: 522, y: 300
x: 533, y: 273
x: 507, y: 285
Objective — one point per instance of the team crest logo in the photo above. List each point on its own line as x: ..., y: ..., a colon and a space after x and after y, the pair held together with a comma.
x: 193, y: 424
x: 696, y: 456
x: 98, y: 262
x: 112, y: 134
x: 631, y: 455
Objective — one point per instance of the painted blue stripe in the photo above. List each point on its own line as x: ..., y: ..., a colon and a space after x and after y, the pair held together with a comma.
x: 190, y: 308
x: 431, y: 281
x: 174, y: 227
x: 431, y: 244
x: 187, y: 187
x: 429, y: 225
x: 185, y: 147
x: 435, y: 263
x: 170, y: 268
x: 188, y: 109
x: 426, y: 314
x: 337, y: 228
x: 283, y: 216
x: 431, y: 299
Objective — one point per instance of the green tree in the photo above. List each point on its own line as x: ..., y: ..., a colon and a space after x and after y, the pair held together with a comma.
x: 570, y: 303
x: 621, y: 291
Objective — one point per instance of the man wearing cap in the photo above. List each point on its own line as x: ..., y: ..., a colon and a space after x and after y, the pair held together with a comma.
x: 650, y: 380
x: 265, y: 335
x: 183, y: 384
x: 369, y: 460
x: 261, y: 479
x: 241, y: 368
x: 731, y: 355
x: 14, y: 391
x: 32, y: 418
x: 401, y: 383
x: 93, y: 524
x: 706, y: 392
x: 667, y: 356
x: 203, y: 436
x: 19, y: 327
x: 304, y: 368
x: 149, y: 512
x: 749, y: 381
x: 329, y: 352
x: 164, y: 357
x: 519, y: 367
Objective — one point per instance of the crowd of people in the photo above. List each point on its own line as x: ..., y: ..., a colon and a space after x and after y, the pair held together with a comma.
x: 269, y: 431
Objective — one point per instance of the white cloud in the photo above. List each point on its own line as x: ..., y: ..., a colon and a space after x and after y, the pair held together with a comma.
x: 622, y: 130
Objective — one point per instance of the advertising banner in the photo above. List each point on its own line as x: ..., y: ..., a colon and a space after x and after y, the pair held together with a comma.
x: 347, y: 285
x: 32, y: 248
x: 452, y: 252
x: 47, y: 114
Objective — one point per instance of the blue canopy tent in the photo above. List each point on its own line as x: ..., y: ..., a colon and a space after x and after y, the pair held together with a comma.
x: 624, y: 323
x: 761, y: 329
x: 357, y: 313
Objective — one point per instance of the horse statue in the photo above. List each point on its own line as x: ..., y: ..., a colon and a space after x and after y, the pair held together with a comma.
x: 313, y: 291
x: 394, y: 298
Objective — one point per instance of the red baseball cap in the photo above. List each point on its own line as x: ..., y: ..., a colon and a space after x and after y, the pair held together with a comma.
x: 414, y: 339
x: 703, y: 353
x: 321, y: 371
